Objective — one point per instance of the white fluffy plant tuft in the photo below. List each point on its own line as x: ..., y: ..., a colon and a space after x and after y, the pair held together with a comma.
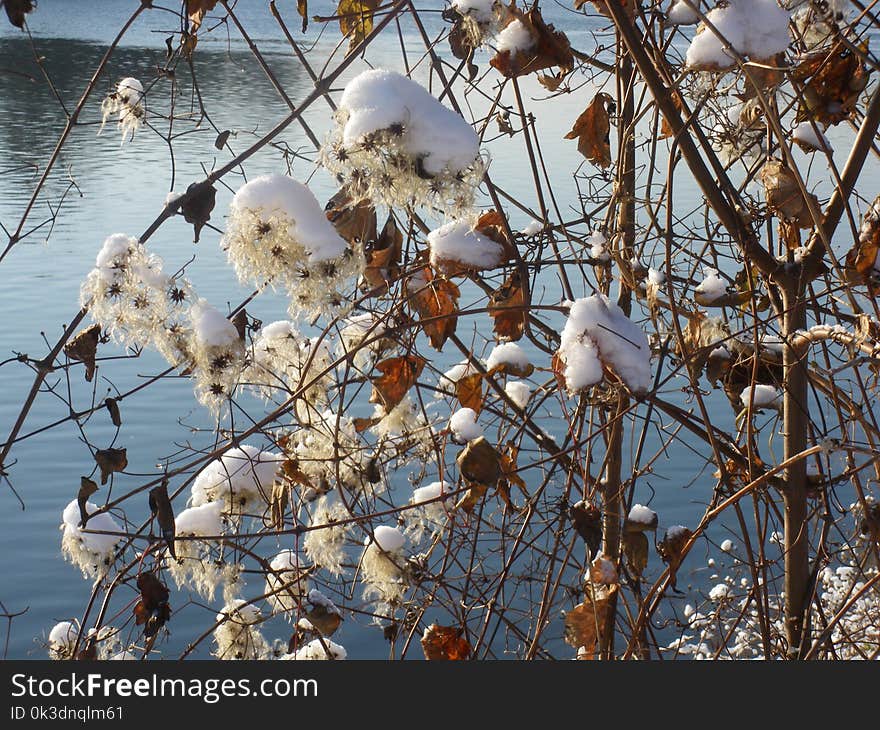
x: 237, y: 635
x: 127, y: 103
x: 397, y: 145
x: 277, y: 234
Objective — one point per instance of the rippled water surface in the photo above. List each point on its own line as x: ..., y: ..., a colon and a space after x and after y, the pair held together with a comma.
x: 102, y: 187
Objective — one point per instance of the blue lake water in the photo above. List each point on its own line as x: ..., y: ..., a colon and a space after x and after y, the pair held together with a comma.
x: 106, y: 188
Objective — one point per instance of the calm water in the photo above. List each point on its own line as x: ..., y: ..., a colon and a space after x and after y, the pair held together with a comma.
x: 112, y: 188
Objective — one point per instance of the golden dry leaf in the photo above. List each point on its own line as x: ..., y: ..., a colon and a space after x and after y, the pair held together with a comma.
x: 469, y: 391
x: 465, y: 37
x: 472, y: 497
x: 434, y: 299
x: 835, y: 78
x: 784, y: 196
x: 665, y: 129
x: 510, y: 474
x: 278, y: 505
x: 550, y: 47
x: 161, y: 508
x: 480, y: 462
x: 552, y: 82
x: 493, y: 226
x: 84, y: 347
x: 302, y: 7
x: 507, y: 307
x: 591, y: 130
x: 354, y: 220
x: 383, y: 257
x: 509, y: 368
x: 356, y: 19
x: 399, y: 374
x: 362, y: 424
x: 197, y: 10
x: 445, y: 643
x: 109, y: 461
x: 86, y: 489
x: 291, y: 471
x: 16, y: 10
x: 861, y: 259
x: 671, y: 549
x: 635, y: 550
x: 587, y: 623
x: 587, y: 522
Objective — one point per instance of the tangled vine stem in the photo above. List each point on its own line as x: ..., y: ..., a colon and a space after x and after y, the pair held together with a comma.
x: 483, y: 412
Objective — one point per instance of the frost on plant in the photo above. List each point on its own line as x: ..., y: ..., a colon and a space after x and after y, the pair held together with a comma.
x: 241, y: 479
x: 324, y: 543
x: 91, y: 553
x: 399, y: 146
x: 277, y: 234
x: 127, y: 103
x: 382, y: 567
x: 237, y: 635
x: 285, y: 582
x: 284, y: 360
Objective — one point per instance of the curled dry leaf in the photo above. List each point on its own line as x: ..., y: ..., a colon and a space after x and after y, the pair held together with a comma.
x: 549, y: 47
x: 784, y: 196
x: 277, y: 505
x: 434, y: 299
x: 480, y: 465
x: 109, y: 461
x: 197, y: 208
x: 356, y: 19
x: 383, y: 256
x: 671, y: 549
x: 196, y: 10
x: 161, y: 508
x: 292, y: 472
x: 587, y: 521
x: 152, y: 610
x: 588, y: 623
x: 222, y: 139
x: 445, y: 643
x: 493, y: 226
x: 635, y: 550
x: 112, y: 406
x: 465, y: 37
x: 507, y: 307
x: 510, y: 473
x: 834, y: 79
x: 16, y: 10
x: 86, y: 489
x: 591, y: 129
x: 862, y: 258
x: 353, y: 219
x: 326, y: 620
x: 84, y: 347
x: 302, y: 7
x: 469, y: 391
x: 399, y: 374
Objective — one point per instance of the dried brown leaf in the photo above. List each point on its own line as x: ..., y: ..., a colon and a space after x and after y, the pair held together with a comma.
x: 507, y: 307
x: 587, y: 522
x: 445, y: 643
x: 784, y: 195
x: 399, y: 374
x: 591, y: 130
x: 152, y: 610
x: 84, y: 347
x: 589, y: 622
x: 161, y: 508
x: 434, y: 299
x: 671, y: 549
x: 383, y: 256
x: 197, y: 207
x: 86, y: 489
x: 16, y: 10
x: 834, y: 79
x: 550, y: 48
x: 469, y: 391
x: 109, y: 461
